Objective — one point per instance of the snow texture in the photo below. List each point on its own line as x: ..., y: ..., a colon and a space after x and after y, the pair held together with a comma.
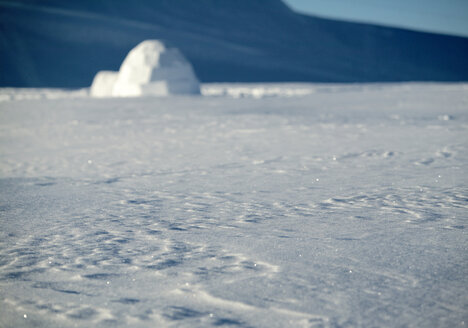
x: 343, y: 207
x: 150, y: 69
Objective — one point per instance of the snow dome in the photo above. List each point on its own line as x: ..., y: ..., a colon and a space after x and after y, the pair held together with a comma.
x: 151, y: 69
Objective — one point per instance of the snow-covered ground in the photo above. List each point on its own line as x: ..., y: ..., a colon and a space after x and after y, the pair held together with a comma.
x: 288, y: 205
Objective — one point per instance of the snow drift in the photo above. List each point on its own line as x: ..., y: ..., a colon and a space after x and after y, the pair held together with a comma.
x: 150, y: 69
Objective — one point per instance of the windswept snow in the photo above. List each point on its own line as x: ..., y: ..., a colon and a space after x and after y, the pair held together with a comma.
x: 150, y: 69
x: 346, y: 207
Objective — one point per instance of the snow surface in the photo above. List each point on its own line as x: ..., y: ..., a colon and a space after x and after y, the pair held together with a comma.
x: 343, y: 207
x: 150, y: 69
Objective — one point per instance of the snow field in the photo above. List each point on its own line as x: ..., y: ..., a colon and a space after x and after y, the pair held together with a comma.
x: 342, y: 208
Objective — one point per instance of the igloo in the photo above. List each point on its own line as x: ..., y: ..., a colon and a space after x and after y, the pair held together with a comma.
x: 150, y: 69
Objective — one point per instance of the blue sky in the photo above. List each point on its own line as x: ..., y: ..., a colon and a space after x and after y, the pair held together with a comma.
x: 442, y: 16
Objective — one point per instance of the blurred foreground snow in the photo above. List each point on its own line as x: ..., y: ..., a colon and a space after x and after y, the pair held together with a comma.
x: 297, y: 205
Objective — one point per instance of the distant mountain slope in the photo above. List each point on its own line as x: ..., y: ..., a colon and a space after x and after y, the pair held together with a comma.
x: 55, y: 43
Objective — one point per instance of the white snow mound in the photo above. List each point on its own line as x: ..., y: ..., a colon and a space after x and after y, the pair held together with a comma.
x: 150, y: 69
x: 103, y: 84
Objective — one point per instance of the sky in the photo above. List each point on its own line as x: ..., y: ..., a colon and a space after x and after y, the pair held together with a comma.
x: 440, y: 16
